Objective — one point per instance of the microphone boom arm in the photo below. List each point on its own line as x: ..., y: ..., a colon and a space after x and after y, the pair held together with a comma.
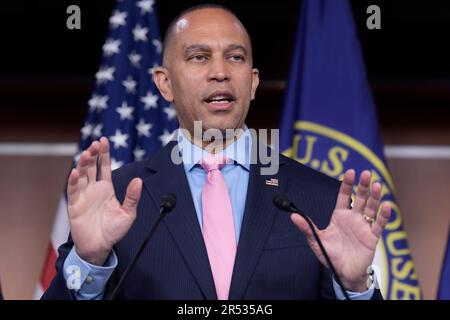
x: 167, y: 204
x: 283, y: 203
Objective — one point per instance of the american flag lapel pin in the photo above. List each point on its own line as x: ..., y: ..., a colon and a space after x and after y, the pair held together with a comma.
x: 272, y: 182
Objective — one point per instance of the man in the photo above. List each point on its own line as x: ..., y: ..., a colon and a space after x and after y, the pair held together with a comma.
x: 224, y: 239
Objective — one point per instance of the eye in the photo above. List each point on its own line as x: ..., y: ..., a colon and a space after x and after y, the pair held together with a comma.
x: 198, y: 58
x: 237, y: 58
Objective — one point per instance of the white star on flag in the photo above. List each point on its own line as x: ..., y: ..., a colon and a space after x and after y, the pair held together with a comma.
x: 118, y: 19
x: 140, y: 33
x: 138, y: 153
x: 145, y: 6
x: 143, y: 129
x: 111, y: 47
x: 115, y: 164
x: 170, y: 111
x: 98, y: 102
x: 119, y: 139
x: 97, y: 132
x: 125, y: 111
x: 150, y: 100
x: 134, y: 58
x: 77, y: 156
x: 105, y: 74
x: 130, y: 85
x: 166, y: 137
x: 86, y: 131
x: 157, y: 45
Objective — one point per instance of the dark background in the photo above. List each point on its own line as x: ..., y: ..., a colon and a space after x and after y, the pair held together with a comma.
x: 47, y: 71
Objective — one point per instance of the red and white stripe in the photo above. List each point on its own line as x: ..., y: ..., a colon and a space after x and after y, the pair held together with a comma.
x: 60, y: 233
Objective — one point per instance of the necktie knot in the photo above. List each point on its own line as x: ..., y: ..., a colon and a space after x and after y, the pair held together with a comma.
x: 213, y: 162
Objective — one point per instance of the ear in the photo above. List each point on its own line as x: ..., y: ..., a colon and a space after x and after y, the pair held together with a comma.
x: 162, y: 81
x: 255, y: 82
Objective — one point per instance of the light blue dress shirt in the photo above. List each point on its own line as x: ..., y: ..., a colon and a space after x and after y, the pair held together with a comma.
x: 93, y: 279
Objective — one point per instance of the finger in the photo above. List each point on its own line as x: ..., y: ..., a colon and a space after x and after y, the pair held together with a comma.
x: 82, y: 170
x: 382, y: 219
x: 374, y: 201
x: 302, y: 224
x: 104, y: 160
x: 132, y: 197
x: 345, y: 191
x: 92, y: 162
x: 73, y: 192
x: 363, y: 191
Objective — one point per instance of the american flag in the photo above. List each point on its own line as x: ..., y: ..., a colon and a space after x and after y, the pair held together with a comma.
x: 125, y: 106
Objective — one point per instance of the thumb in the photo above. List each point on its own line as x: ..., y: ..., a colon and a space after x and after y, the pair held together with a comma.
x: 302, y: 224
x: 132, y: 196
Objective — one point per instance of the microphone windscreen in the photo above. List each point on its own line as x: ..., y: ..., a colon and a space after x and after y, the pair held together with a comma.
x: 281, y: 202
x: 169, y: 201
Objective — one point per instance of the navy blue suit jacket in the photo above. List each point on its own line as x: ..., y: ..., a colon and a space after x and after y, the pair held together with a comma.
x: 273, y: 258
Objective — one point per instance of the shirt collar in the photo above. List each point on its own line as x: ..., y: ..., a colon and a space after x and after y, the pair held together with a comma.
x: 238, y: 151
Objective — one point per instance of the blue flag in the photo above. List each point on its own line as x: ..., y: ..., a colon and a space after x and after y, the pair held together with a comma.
x: 444, y: 286
x: 329, y: 123
x: 126, y: 106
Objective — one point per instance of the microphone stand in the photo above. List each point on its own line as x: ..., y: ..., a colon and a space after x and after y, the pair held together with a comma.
x: 168, y: 203
x: 283, y: 203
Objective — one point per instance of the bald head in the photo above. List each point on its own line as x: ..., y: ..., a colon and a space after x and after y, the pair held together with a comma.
x: 204, y: 14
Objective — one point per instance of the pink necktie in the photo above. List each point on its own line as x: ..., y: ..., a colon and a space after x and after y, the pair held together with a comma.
x: 218, y: 225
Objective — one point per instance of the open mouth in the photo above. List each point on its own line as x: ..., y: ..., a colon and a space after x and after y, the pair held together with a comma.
x: 220, y: 100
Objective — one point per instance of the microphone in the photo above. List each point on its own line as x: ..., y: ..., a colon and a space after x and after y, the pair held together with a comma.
x: 167, y: 204
x: 283, y: 203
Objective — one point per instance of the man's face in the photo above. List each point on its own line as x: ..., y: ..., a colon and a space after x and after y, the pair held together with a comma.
x: 209, y: 75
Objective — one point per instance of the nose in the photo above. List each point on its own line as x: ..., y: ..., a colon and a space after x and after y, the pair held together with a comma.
x: 218, y: 70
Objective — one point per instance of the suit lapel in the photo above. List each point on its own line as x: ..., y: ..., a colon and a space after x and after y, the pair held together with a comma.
x: 258, y: 218
x: 182, y: 222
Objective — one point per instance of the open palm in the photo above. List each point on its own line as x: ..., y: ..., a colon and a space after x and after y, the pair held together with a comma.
x: 352, y: 235
x: 97, y: 219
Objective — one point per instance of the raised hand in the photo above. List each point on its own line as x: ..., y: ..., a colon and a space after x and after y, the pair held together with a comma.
x: 97, y: 219
x: 352, y: 235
